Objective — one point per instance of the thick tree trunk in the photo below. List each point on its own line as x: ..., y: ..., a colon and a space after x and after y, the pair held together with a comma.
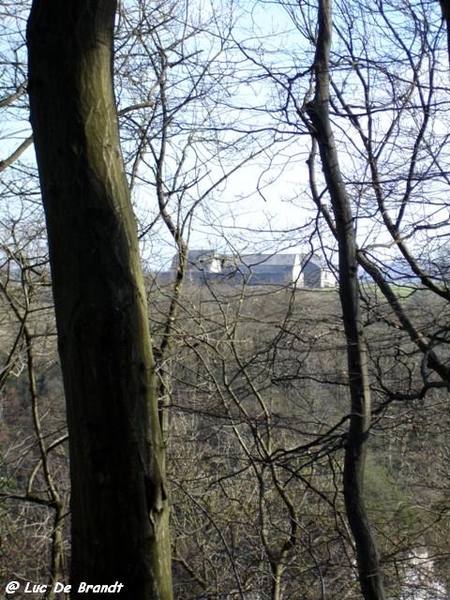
x: 360, y: 418
x: 119, y: 498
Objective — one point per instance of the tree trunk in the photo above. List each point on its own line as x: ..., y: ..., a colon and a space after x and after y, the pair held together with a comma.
x: 119, y: 500
x: 360, y: 417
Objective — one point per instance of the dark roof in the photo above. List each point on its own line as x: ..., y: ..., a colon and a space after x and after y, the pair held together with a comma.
x: 267, y: 260
x: 196, y: 258
x: 277, y: 260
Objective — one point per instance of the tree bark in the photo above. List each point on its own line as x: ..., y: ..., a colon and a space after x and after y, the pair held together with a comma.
x: 360, y: 418
x: 119, y: 502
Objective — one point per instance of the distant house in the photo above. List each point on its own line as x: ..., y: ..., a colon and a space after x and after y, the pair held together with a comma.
x: 263, y: 269
x: 202, y: 265
x: 296, y: 269
x: 277, y: 269
x: 317, y: 273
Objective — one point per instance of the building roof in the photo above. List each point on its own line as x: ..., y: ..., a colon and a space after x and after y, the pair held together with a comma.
x: 278, y: 260
x: 198, y: 258
x: 267, y: 260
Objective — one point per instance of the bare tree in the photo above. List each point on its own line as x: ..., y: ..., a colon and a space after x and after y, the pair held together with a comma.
x: 35, y: 486
x: 255, y: 380
x: 117, y: 454
x: 359, y: 383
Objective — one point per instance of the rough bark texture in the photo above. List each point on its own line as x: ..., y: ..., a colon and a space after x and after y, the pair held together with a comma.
x: 358, y: 434
x: 119, y: 498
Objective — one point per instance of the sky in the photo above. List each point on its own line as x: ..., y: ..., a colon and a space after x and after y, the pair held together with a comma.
x: 265, y: 205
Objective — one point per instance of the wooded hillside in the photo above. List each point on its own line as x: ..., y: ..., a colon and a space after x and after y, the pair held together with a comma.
x: 256, y: 389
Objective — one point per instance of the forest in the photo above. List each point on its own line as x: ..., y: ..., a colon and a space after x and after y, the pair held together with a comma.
x: 162, y: 439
